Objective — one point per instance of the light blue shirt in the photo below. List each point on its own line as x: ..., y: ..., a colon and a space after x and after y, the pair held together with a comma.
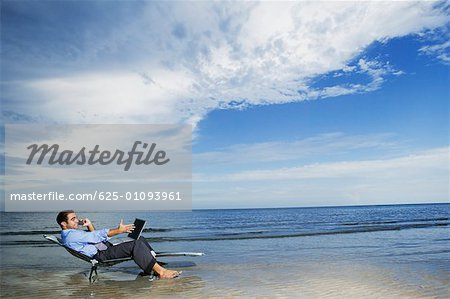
x: 83, y: 241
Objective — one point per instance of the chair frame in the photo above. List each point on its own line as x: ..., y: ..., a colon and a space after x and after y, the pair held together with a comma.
x: 93, y: 275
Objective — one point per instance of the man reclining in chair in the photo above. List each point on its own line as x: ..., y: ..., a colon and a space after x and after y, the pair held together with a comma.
x: 93, y: 243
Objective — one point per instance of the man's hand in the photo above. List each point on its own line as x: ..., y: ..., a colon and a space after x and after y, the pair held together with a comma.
x: 86, y: 222
x: 127, y: 228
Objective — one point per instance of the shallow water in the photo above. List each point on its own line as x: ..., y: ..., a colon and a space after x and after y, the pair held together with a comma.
x: 351, y: 252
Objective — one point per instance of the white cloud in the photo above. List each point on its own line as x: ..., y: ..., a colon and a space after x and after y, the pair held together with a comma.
x: 117, y: 96
x: 323, y: 145
x: 174, y: 62
x: 417, y: 178
x: 436, y: 159
x: 441, y: 51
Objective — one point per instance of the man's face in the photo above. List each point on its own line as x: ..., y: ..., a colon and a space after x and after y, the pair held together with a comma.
x: 72, y: 221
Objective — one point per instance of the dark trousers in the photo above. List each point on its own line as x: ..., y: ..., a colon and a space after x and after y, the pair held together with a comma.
x: 138, y: 249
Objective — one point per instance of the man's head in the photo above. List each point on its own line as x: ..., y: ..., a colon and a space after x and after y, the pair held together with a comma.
x: 67, y: 219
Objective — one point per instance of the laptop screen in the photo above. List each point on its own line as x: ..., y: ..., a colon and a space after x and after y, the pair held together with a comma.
x: 138, y: 228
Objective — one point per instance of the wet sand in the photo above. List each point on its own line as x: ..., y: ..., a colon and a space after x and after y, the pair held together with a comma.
x: 266, y: 280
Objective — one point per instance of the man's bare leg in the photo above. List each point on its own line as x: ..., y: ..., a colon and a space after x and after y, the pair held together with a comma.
x: 165, y: 273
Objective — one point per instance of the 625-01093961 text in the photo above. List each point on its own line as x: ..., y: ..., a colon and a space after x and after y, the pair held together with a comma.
x: 151, y: 195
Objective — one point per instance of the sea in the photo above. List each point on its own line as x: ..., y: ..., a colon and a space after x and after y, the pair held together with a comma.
x: 388, y: 251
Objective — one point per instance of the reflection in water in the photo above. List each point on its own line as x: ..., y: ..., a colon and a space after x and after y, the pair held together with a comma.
x: 310, y: 280
x: 142, y: 287
x: 41, y: 284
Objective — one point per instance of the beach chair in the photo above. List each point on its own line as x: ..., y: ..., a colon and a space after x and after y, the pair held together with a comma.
x: 108, y: 263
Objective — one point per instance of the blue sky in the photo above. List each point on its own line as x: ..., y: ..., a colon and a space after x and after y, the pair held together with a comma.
x: 293, y: 103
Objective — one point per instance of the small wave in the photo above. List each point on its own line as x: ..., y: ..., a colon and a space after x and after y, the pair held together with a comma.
x: 369, y: 222
x: 257, y: 234
x: 293, y: 235
x: 442, y: 240
x: 57, y: 232
x: 395, y: 221
x: 156, y: 230
x: 31, y: 232
x: 242, y: 233
x: 26, y: 242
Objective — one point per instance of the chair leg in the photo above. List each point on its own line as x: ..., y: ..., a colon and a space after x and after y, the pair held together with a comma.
x: 91, y: 277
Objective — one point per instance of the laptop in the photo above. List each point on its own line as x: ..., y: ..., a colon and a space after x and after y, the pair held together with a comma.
x: 134, y: 235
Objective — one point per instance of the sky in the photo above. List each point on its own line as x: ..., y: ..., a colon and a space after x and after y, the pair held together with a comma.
x: 291, y: 103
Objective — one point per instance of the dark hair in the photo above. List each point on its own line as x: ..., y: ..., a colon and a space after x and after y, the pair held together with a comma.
x: 62, y: 216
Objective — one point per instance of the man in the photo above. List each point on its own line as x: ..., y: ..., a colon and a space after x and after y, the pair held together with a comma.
x: 91, y: 244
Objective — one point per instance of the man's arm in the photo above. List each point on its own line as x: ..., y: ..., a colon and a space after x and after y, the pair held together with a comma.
x: 128, y: 228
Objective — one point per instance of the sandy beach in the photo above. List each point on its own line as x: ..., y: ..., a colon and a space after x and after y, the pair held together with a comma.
x: 337, y: 280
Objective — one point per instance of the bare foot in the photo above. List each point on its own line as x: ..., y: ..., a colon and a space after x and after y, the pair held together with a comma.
x: 167, y: 274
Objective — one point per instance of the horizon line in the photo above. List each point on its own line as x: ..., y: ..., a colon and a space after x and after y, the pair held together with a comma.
x: 248, y: 208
